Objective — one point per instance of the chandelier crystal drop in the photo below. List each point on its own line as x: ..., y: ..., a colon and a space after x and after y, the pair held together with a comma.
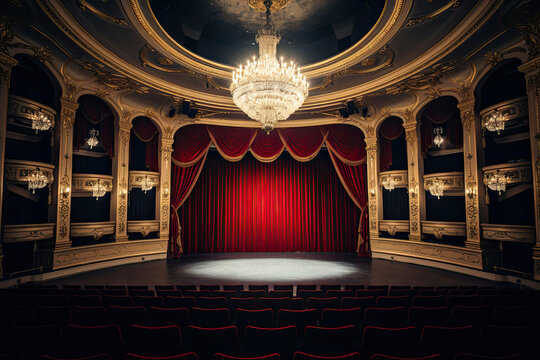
x: 37, y: 179
x: 495, y: 122
x: 497, y: 182
x: 41, y: 122
x: 438, y: 139
x: 146, y: 185
x: 388, y: 183
x: 92, y: 138
x: 437, y: 188
x: 98, y: 189
x: 266, y: 89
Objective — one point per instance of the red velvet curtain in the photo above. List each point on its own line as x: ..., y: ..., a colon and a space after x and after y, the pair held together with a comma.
x: 345, y: 143
x: 441, y: 112
x: 391, y: 129
x: 284, y: 205
x: 145, y: 130
x: 94, y: 113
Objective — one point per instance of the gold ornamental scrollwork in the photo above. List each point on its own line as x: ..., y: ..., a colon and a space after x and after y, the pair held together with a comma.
x: 85, y: 5
x: 452, y: 4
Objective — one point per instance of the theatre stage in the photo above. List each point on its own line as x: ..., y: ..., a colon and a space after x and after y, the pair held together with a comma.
x: 272, y: 268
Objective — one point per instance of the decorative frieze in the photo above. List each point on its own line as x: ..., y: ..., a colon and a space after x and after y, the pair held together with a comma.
x: 514, y: 173
x: 137, y: 178
x: 512, y: 110
x: 18, y: 171
x: 398, y: 177
x: 394, y: 226
x: 22, y: 108
x: 444, y: 228
x: 84, y: 183
x: 143, y: 227
x: 94, y: 229
x: 453, y: 182
x: 28, y: 232
x: 512, y: 233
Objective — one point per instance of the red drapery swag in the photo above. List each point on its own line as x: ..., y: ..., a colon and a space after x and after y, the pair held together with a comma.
x: 391, y: 129
x: 345, y: 144
x: 145, y: 130
x: 94, y: 113
x: 441, y: 112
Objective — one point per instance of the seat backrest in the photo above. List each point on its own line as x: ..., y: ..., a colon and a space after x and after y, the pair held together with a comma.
x: 323, y: 303
x: 163, y: 287
x: 168, y: 292
x: 196, y: 293
x: 385, y: 317
x: 224, y: 293
x: 275, y: 356
x: 85, y: 300
x: 274, y: 303
x: 158, y: 316
x: 282, y: 287
x: 127, y: 315
x: 141, y: 292
x: 280, y: 293
x: 114, y: 292
x: 235, y: 288
x: 265, y: 341
x: 298, y: 318
x: 180, y: 301
x: 354, y: 287
x: 393, y: 301
x: 507, y: 340
x: 209, y: 287
x: 212, y: 318
x: 471, y: 315
x: 305, y: 287
x: 91, y: 340
x: 326, y: 287
x: 148, y: 300
x: 463, y: 300
x: 186, y: 287
x: 448, y: 341
x: 33, y: 341
x: 422, y: 316
x: 516, y: 315
x: 329, y: 341
x: 340, y: 293
x: 429, y: 301
x: 211, y: 302
x: 208, y: 341
x: 305, y: 294
x: 154, y: 341
x: 390, y: 341
x: 258, y: 287
x: 186, y: 356
x: 370, y: 292
x: 361, y: 302
x: 252, y: 293
x: 258, y: 318
x: 341, y: 317
x: 242, y: 303
x: 119, y: 300
x: 90, y: 315
x: 60, y: 315
x: 299, y: 355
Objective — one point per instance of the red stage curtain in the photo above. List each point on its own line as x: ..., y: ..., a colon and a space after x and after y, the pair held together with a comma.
x: 183, y: 180
x: 391, y: 129
x: 284, y: 205
x: 303, y: 143
x: 441, y: 112
x: 346, y: 145
x: 190, y: 144
x: 145, y: 130
x: 93, y: 111
x: 231, y: 142
x: 267, y: 147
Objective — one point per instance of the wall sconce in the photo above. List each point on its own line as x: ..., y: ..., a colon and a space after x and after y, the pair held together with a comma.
x: 123, y: 193
x: 65, y: 190
x: 372, y: 192
x: 412, y: 191
x: 470, y: 192
x: 166, y: 192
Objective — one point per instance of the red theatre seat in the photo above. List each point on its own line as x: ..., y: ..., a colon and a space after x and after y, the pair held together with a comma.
x: 93, y: 357
x: 265, y: 341
x: 219, y: 356
x: 154, y: 341
x: 210, y: 317
x: 387, y: 357
x: 341, y: 317
x: 208, y: 341
x: 168, y: 316
x: 259, y: 318
x: 298, y: 318
x: 186, y: 356
x: 385, y: 317
x: 394, y: 342
x: 448, y: 341
x: 361, y: 302
x: 92, y: 340
x: 32, y: 341
x: 325, y: 341
x: 211, y: 302
x: 299, y: 355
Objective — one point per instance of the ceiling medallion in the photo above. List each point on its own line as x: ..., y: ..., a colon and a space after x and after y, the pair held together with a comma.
x: 268, y: 90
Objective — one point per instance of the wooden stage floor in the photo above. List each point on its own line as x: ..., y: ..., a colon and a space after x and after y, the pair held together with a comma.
x: 272, y: 268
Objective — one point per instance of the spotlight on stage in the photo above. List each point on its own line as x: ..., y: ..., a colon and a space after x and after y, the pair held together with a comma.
x: 270, y: 270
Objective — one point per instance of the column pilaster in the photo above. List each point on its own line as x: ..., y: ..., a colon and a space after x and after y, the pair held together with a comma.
x: 65, y: 161
x: 164, y: 199
x: 471, y: 171
x: 121, y: 178
x: 415, y: 180
x: 372, y: 153
x: 6, y: 63
x: 531, y: 69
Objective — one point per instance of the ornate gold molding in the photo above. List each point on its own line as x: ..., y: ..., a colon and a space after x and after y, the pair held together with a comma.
x: 423, y: 81
x: 513, y: 233
x: 452, y: 4
x: 394, y: 226
x: 28, y: 232
x: 399, y: 176
x: 443, y: 228
x: 143, y: 227
x: 136, y: 178
x: 85, y: 5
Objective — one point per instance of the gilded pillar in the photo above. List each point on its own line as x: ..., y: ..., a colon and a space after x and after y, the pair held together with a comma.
x: 471, y: 170
x: 121, y: 178
x: 6, y: 63
x: 374, y: 195
x: 164, y: 199
x: 531, y: 69
x: 414, y: 173
x: 65, y: 161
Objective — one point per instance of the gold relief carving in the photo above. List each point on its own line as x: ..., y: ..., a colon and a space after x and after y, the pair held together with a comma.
x: 5, y: 76
x: 167, y: 135
x: 149, y: 112
x: 530, y: 28
x: 6, y: 32
x: 471, y: 203
x: 124, y: 135
x: 102, y: 92
x: 70, y: 92
x: 84, y: 5
x: 259, y: 5
x: 434, y: 93
x: 438, y: 232
x: 533, y: 85
x: 165, y: 217
x: 114, y: 81
x: 98, y: 233
x: 122, y: 210
x: 43, y: 54
x: 492, y: 58
x: 392, y: 230
x: 450, y: 5
x: 423, y: 81
x: 64, y: 209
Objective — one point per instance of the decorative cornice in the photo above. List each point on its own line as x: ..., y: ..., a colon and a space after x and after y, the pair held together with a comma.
x: 85, y: 5
x: 450, y: 5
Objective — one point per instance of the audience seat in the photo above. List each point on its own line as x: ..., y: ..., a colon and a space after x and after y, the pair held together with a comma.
x: 92, y: 340
x: 385, y: 317
x: 59, y: 315
x: 224, y: 293
x: 32, y: 341
x: 507, y: 340
x: 180, y: 301
x: 209, y: 287
x: 283, y: 287
x: 448, y: 341
x: 298, y: 318
x: 211, y: 302
x: 85, y: 300
x: 118, y: 300
x: 252, y: 293
x: 148, y: 301
x: 154, y: 341
x: 299, y: 355
x: 141, y: 292
x: 280, y: 293
x: 471, y: 315
x: 329, y: 341
x: 305, y: 287
x: 371, y: 292
x: 393, y: 301
x: 341, y: 317
x: 422, y: 316
x: 274, y: 303
x: 235, y: 288
x: 208, y: 341
x: 242, y: 303
x: 340, y: 293
x: 327, y: 287
x: 89, y: 315
x: 265, y: 341
x: 196, y: 293
x: 211, y: 318
x: 128, y: 315
x: 258, y: 318
x: 305, y: 294
x: 354, y: 287
x: 219, y: 356
x: 258, y: 287
x: 361, y: 302
x: 390, y: 341
x: 186, y: 287
x: 167, y: 292
x: 168, y: 316
x: 429, y: 301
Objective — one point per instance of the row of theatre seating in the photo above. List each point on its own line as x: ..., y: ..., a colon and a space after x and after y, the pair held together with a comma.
x: 77, y: 322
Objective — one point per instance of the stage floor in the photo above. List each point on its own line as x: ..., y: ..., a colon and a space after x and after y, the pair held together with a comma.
x: 272, y: 268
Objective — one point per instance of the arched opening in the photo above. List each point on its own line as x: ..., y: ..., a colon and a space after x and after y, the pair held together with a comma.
x: 392, y: 176
x: 30, y: 154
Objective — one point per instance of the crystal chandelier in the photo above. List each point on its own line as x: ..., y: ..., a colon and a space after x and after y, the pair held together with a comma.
x: 388, y: 183
x: 266, y: 89
x: 438, y: 139
x: 146, y: 185
x: 495, y: 122
x: 92, y: 139
x: 497, y: 182
x: 37, y: 179
x: 41, y: 122
x: 437, y: 188
x: 98, y: 189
